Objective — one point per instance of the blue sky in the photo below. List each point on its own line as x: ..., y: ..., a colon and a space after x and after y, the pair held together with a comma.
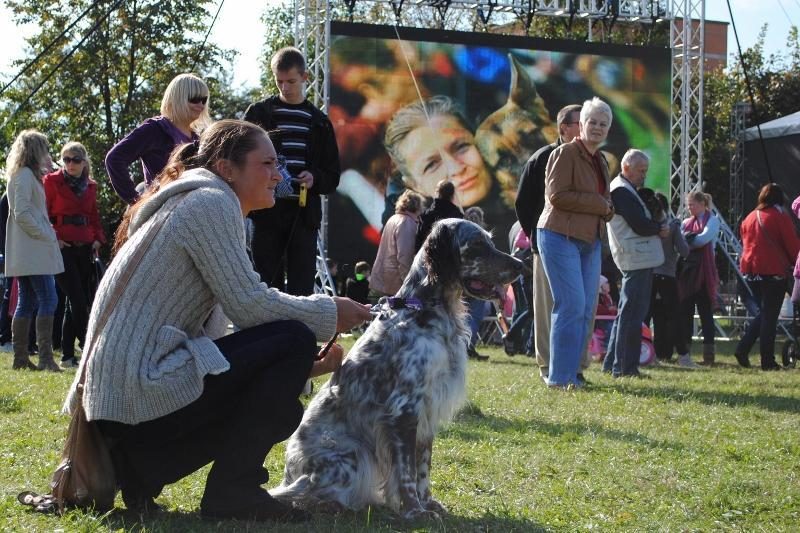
x: 239, y: 27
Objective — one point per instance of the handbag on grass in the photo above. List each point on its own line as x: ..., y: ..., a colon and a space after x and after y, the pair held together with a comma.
x: 85, y: 476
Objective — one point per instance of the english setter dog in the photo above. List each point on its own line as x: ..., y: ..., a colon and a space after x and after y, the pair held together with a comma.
x: 367, y: 436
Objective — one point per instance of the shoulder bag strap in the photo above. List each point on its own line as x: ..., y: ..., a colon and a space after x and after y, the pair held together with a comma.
x: 122, y: 283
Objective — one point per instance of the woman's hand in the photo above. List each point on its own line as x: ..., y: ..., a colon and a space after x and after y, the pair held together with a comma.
x: 349, y: 313
x: 330, y: 363
x: 610, y: 214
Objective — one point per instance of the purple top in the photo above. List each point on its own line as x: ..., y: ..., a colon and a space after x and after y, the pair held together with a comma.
x: 152, y: 142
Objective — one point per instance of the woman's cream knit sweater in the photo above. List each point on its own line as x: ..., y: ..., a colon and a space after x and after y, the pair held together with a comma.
x: 150, y: 358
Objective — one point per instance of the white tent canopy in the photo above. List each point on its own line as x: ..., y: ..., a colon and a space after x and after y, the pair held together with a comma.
x: 780, y: 127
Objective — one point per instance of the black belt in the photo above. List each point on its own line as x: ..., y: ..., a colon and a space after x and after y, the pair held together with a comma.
x: 72, y: 220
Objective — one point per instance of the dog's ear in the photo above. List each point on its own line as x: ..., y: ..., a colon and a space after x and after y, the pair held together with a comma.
x: 441, y: 255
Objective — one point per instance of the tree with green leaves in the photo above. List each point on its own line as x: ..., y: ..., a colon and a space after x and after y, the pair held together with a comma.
x: 775, y: 83
x: 114, y: 79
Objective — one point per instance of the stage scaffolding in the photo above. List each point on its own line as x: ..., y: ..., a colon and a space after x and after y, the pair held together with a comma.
x: 687, y: 29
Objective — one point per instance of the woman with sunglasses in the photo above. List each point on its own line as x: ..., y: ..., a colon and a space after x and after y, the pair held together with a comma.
x: 72, y: 207
x: 184, y: 115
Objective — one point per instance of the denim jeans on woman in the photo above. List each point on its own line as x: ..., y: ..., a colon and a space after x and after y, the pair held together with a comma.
x: 769, y: 293
x: 573, y: 270
x: 36, y: 292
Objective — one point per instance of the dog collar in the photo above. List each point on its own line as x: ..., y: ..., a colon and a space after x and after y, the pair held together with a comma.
x: 392, y: 302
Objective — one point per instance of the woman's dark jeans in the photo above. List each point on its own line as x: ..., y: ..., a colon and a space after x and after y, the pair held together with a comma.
x: 769, y: 294
x: 240, y: 415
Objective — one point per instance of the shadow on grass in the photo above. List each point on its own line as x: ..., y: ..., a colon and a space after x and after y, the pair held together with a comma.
x: 768, y: 402
x: 466, y: 422
x: 348, y: 521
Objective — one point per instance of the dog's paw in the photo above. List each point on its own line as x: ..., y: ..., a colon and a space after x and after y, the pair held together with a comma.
x: 436, y: 507
x: 420, y: 514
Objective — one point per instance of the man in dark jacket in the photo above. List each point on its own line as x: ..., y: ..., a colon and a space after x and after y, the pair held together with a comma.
x: 529, y: 206
x: 285, y: 236
x: 442, y: 207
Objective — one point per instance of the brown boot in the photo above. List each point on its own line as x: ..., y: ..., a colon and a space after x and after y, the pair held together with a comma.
x: 44, y: 339
x: 20, y: 329
x: 708, y: 355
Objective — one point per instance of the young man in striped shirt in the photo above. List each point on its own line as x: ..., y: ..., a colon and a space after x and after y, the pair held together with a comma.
x: 285, y: 236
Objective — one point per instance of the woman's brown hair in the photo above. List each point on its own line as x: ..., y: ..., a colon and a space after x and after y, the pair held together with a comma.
x: 770, y: 194
x: 230, y: 140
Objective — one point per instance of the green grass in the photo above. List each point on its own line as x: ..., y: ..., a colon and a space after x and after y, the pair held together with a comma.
x: 707, y: 450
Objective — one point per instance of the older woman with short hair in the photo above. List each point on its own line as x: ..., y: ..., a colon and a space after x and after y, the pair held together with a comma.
x: 396, y: 250
x: 577, y: 206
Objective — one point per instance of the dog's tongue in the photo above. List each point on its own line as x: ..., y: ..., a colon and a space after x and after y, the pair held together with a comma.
x: 477, y: 285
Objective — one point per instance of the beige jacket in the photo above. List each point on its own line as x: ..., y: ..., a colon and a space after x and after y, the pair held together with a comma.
x: 395, y: 253
x: 572, y: 205
x: 31, y: 243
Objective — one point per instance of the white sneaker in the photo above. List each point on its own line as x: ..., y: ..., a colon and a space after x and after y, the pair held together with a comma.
x: 685, y: 361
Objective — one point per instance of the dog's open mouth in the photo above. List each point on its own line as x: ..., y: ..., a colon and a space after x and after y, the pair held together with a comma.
x: 483, y: 290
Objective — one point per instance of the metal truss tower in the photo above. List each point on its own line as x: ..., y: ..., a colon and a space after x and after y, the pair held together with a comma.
x: 687, y: 32
x: 738, y: 125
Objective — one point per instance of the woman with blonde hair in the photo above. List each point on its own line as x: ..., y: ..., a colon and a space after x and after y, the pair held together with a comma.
x: 31, y: 253
x: 698, y: 280
x: 431, y: 141
x: 396, y: 250
x: 72, y: 206
x: 184, y: 115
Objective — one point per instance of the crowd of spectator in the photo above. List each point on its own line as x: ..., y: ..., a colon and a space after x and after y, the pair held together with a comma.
x: 169, y: 374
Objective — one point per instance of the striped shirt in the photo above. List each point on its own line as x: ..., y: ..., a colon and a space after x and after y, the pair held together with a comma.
x: 294, y: 122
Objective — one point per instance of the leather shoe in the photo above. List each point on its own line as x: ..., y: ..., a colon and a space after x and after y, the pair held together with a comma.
x: 472, y: 353
x: 742, y: 359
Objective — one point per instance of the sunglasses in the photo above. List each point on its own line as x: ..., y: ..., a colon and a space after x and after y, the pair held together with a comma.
x: 198, y: 100
x: 67, y: 160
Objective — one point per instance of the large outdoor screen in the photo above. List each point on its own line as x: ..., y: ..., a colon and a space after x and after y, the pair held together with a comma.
x: 507, y: 91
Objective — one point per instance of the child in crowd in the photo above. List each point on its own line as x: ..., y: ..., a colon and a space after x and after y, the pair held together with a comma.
x: 606, y: 310
x: 358, y: 289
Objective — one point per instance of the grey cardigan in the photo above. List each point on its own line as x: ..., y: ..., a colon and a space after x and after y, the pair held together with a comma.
x: 153, y: 353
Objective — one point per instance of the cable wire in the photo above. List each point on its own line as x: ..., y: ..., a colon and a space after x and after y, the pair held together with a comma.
x: 202, y: 46
x: 64, y: 60
x: 750, y: 93
x: 785, y: 13
x: 48, y: 47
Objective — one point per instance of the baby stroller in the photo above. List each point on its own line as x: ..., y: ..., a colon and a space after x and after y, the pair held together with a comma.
x: 599, y: 343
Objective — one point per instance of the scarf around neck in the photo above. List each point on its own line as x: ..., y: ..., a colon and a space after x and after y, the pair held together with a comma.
x: 77, y: 184
x: 706, y: 277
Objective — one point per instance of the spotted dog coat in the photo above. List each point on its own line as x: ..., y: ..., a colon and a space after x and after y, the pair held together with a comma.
x: 367, y: 436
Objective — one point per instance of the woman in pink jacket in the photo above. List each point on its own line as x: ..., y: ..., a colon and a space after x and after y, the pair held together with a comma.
x: 396, y: 250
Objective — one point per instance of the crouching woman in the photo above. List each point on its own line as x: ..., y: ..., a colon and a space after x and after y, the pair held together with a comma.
x: 168, y: 391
